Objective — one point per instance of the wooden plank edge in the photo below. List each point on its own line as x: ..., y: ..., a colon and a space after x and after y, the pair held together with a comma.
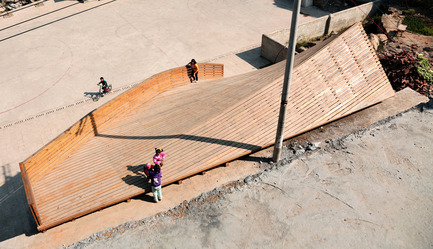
x: 29, y: 194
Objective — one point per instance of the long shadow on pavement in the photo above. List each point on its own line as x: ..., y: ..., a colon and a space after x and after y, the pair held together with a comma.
x: 253, y: 57
x: 15, y: 215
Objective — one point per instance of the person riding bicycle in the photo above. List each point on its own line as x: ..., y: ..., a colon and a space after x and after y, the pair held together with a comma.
x: 104, y: 84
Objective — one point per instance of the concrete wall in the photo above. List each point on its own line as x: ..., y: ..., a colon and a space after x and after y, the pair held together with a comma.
x: 274, y: 45
x: 273, y: 50
x: 346, y: 18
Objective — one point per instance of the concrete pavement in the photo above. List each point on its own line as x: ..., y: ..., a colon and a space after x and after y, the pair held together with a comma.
x: 53, y: 55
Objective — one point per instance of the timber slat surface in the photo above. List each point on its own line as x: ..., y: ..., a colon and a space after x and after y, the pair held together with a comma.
x: 199, y: 126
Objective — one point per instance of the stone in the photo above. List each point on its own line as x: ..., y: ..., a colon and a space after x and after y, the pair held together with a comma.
x: 374, y: 40
x: 248, y: 179
x: 382, y: 37
x: 301, y: 49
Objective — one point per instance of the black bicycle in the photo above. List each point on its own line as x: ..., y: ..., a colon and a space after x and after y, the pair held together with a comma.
x: 103, y: 90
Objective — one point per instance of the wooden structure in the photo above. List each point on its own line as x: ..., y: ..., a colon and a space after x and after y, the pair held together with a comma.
x: 99, y: 160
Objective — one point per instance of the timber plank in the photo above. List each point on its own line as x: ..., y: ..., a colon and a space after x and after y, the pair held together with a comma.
x: 216, y: 122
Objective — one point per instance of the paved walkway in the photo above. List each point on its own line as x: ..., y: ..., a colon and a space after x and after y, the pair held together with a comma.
x: 54, y: 54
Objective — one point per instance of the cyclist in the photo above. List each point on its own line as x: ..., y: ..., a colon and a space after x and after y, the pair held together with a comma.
x: 104, y: 84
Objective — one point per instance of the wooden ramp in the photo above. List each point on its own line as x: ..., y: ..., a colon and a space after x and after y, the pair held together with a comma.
x: 99, y: 161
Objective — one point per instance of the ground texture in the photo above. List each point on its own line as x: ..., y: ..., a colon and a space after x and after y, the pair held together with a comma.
x: 370, y: 189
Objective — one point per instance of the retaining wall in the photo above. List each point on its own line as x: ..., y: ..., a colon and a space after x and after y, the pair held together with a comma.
x: 274, y: 45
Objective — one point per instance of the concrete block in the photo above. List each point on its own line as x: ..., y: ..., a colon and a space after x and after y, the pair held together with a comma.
x: 273, y: 50
x: 312, y: 29
x: 346, y: 18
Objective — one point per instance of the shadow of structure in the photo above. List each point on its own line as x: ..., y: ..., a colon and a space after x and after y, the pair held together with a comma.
x: 210, y: 140
x: 15, y: 215
x: 284, y: 4
x: 426, y: 106
x: 254, y: 58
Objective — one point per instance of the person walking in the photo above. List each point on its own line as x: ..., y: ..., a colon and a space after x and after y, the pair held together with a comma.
x: 159, y: 157
x: 155, y: 178
x: 194, y: 70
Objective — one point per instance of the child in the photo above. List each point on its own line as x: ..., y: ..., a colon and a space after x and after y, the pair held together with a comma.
x: 159, y: 157
x: 155, y: 178
x: 147, y: 167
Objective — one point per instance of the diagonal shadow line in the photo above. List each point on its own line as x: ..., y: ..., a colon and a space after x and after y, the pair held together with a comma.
x: 31, y: 19
x: 60, y: 19
x: 224, y: 142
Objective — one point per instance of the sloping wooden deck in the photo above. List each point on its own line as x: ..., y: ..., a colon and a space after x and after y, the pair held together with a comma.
x: 203, y: 125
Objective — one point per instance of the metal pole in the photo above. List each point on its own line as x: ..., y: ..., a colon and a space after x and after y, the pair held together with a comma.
x: 287, y: 79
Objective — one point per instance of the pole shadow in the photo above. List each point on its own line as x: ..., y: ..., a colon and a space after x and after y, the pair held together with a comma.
x: 250, y: 158
x: 236, y: 144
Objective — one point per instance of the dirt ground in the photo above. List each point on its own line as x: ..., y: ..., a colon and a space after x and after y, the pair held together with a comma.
x: 370, y: 189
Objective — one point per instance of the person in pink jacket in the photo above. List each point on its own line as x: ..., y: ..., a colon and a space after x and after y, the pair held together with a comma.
x: 159, y: 157
x: 147, y: 168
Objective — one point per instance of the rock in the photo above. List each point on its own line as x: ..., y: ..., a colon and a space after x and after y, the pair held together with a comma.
x: 394, y: 10
x: 389, y: 23
x: 394, y: 48
x: 248, y: 179
x: 301, y: 49
x: 313, y: 146
x: 427, y: 52
x: 374, y: 39
x: 383, y: 38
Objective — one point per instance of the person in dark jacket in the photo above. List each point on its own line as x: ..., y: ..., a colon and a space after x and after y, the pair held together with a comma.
x: 194, y: 70
x: 155, y: 178
x: 104, y: 84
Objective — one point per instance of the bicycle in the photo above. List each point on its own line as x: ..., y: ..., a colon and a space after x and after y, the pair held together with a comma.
x: 102, y: 91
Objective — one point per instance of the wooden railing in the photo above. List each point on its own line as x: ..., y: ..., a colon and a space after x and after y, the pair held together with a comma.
x: 48, y: 157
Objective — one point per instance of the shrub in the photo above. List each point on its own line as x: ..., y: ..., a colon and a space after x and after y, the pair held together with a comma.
x: 417, y: 25
x: 424, y: 69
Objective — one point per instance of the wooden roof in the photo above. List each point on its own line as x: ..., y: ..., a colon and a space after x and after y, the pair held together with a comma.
x: 204, y: 125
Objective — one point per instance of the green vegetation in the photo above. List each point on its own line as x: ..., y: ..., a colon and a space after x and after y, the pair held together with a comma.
x: 409, y: 12
x: 417, y: 25
x: 424, y: 69
x: 301, y: 44
x: 381, y: 45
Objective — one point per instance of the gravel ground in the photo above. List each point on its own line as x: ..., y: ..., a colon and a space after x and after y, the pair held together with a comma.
x: 370, y: 189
